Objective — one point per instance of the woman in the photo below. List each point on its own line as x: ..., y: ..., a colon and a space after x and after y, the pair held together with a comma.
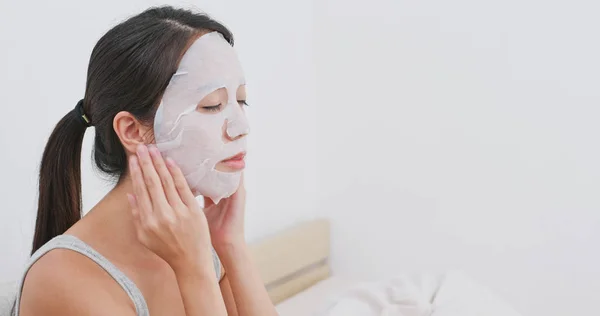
x: 165, y: 94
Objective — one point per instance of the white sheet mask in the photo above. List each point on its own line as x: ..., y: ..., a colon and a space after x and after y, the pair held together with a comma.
x: 195, y: 140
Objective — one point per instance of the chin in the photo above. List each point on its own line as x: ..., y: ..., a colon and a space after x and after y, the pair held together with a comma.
x: 221, y: 186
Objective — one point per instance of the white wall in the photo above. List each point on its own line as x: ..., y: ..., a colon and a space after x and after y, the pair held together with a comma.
x: 464, y: 134
x: 43, y: 60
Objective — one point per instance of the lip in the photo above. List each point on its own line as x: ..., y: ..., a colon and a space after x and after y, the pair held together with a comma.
x: 236, y: 162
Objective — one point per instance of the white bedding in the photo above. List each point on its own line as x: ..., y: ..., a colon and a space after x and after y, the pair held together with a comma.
x: 451, y: 294
x: 316, y: 297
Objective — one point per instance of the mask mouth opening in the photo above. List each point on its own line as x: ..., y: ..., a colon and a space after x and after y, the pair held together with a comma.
x: 239, y: 156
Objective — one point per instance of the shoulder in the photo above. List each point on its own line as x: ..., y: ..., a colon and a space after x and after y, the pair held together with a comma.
x: 67, y: 283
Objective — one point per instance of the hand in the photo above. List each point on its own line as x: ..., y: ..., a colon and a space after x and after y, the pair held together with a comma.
x: 226, y: 219
x: 168, y: 219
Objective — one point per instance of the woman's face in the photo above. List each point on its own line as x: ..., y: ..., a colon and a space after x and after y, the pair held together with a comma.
x: 201, y: 122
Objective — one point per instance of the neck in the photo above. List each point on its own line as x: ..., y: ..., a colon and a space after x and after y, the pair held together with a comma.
x: 110, y: 220
x: 108, y: 228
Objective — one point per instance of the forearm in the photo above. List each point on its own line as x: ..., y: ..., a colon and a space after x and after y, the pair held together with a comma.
x: 251, y: 297
x: 200, y: 290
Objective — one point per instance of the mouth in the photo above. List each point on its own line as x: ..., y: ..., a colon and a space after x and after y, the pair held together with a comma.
x: 236, y: 162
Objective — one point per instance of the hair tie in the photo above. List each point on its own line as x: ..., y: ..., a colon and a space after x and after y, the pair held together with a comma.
x: 81, y: 115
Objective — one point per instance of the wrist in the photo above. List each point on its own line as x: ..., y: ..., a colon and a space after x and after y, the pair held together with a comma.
x: 229, y: 244
x: 194, y: 263
x: 231, y: 252
x: 226, y: 247
x: 193, y: 270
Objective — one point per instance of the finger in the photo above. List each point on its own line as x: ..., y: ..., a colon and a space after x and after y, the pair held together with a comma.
x: 135, y: 212
x: 143, y: 203
x: 166, y: 179
x: 133, y: 204
x: 151, y: 178
x: 180, y: 183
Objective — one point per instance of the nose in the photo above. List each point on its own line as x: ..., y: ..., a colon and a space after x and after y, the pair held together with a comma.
x: 236, y: 126
x: 228, y: 135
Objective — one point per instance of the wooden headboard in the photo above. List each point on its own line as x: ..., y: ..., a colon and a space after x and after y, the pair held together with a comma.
x: 294, y: 259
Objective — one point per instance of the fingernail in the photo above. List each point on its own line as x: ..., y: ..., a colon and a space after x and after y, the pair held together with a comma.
x: 131, y: 199
x: 171, y: 162
x: 154, y: 151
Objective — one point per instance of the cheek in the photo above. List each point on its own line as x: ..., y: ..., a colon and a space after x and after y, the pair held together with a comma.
x: 202, y: 137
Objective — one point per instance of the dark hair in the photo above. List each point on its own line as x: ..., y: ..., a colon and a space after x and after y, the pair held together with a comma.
x: 129, y: 69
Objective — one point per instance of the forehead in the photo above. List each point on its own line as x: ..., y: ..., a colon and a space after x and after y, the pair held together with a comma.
x: 211, y: 59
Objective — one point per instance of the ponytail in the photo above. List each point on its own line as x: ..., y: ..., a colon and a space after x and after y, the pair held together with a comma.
x: 59, y: 204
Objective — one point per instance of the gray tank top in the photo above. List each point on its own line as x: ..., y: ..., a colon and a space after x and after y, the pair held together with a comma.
x: 75, y: 244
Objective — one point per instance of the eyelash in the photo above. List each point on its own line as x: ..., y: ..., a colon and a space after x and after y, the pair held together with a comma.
x: 217, y: 108
x: 214, y: 108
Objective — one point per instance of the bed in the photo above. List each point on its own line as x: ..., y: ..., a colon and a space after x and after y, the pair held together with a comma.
x: 316, y: 297
x: 295, y: 267
x: 294, y: 260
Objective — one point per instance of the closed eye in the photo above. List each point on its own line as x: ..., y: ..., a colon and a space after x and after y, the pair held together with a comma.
x: 212, y: 108
x: 242, y: 102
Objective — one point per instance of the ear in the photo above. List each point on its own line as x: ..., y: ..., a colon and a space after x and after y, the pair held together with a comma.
x: 130, y: 131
